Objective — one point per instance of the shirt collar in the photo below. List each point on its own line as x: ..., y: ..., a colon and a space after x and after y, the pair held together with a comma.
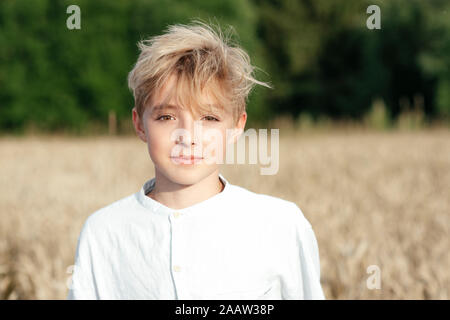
x: 159, y: 208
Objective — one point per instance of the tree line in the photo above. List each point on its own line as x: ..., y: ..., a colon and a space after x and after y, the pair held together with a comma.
x: 319, y: 55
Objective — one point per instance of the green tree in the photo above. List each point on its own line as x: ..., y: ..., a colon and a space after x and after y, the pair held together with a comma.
x: 61, y: 79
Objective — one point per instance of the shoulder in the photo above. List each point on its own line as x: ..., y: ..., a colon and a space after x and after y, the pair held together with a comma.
x: 113, y: 214
x: 270, y: 206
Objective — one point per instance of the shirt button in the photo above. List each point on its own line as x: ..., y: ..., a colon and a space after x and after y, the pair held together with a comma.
x: 176, y: 268
x: 176, y: 214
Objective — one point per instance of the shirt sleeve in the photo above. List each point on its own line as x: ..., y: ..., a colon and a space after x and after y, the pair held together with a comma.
x: 310, y: 262
x: 82, y: 285
x: 308, y: 259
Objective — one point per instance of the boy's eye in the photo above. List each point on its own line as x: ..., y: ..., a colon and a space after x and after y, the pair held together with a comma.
x: 210, y: 118
x: 164, y: 117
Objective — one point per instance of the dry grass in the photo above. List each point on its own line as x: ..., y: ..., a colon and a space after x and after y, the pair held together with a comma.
x: 373, y: 199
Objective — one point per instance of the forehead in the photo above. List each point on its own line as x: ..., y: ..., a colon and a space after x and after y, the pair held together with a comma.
x: 174, y: 97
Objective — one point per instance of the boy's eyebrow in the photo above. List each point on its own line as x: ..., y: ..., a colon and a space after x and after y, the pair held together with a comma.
x: 159, y: 107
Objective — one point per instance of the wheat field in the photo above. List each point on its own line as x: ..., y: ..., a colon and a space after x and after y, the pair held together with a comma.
x: 373, y: 198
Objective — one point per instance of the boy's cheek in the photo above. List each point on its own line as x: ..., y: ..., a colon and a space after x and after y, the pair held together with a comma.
x: 156, y: 148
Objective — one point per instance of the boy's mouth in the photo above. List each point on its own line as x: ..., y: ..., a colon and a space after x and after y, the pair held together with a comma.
x: 187, y: 159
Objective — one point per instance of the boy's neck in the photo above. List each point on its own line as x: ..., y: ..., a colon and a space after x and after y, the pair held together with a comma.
x: 178, y: 196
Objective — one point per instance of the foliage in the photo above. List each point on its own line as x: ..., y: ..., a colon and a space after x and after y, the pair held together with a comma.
x: 319, y: 55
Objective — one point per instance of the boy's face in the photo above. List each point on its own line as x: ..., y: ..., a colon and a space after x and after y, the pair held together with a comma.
x: 173, y: 132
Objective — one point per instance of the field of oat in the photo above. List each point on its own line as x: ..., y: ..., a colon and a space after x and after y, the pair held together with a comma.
x: 373, y: 198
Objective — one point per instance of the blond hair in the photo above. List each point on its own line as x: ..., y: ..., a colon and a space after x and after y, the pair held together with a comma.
x: 200, y: 58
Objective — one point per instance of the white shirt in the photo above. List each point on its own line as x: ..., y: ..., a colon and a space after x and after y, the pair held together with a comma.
x: 235, y: 245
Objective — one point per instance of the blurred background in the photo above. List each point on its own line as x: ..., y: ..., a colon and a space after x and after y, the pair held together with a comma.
x: 364, y: 118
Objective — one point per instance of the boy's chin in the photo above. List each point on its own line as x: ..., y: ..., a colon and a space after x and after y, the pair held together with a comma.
x: 190, y: 176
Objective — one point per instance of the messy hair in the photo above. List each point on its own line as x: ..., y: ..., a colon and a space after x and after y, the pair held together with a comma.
x: 200, y: 58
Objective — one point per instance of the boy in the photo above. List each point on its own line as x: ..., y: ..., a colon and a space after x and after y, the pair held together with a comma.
x: 189, y: 233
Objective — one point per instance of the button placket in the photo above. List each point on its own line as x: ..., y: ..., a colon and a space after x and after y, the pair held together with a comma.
x: 177, y: 255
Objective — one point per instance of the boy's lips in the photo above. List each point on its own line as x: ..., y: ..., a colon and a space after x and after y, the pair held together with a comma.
x: 187, y: 159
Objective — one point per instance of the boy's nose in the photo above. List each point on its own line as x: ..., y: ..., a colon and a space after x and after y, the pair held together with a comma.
x: 188, y: 137
x: 183, y: 139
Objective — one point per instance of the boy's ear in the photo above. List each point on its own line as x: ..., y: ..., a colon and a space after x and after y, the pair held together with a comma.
x: 138, y: 125
x: 239, y: 128
x: 242, y: 121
